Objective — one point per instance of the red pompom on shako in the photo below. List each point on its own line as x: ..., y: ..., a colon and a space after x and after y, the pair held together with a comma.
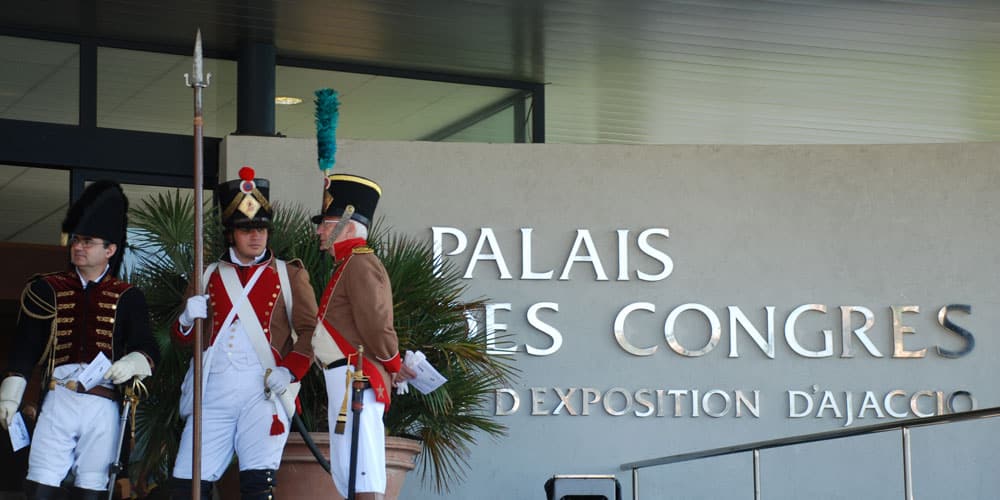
x: 247, y: 174
x: 243, y: 201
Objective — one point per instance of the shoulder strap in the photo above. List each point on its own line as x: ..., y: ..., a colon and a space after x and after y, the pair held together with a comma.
x: 238, y: 295
x: 255, y: 333
x: 208, y: 274
x: 286, y: 293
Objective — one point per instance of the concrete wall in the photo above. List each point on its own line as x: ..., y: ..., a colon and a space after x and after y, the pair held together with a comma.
x: 754, y: 229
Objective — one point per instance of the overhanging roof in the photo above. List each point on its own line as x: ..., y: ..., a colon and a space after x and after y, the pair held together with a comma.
x: 695, y: 71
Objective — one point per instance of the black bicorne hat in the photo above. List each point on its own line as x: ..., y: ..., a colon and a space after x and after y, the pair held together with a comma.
x: 244, y: 202
x: 345, y: 189
x: 100, y: 212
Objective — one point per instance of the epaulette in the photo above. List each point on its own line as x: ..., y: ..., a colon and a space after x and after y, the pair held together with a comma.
x: 34, y: 305
x: 296, y: 263
x: 42, y: 275
x: 362, y: 250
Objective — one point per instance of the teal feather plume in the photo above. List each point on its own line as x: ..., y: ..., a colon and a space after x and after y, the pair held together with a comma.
x: 327, y: 114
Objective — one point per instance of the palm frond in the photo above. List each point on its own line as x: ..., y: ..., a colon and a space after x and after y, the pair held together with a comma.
x: 430, y: 316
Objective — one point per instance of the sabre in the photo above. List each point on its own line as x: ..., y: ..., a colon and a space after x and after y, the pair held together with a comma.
x: 131, y: 401
x: 197, y: 80
x: 359, y: 382
x: 117, y: 466
x: 339, y: 228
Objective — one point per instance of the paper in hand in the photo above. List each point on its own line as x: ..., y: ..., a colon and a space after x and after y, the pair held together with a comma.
x: 19, y: 437
x: 427, y: 378
x: 93, y: 375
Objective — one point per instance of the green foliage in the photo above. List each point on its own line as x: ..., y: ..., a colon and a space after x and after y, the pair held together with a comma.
x: 164, y: 249
x: 429, y: 316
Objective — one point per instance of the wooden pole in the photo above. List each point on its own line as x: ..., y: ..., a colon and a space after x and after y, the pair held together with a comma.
x: 197, y: 82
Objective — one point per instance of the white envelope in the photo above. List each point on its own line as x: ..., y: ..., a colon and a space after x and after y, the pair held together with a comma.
x: 93, y: 375
x: 19, y: 437
x: 427, y: 378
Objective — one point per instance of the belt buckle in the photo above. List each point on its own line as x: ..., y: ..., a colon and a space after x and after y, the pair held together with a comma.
x: 73, y: 385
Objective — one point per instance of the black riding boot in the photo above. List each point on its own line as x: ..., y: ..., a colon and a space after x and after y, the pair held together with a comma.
x: 257, y: 484
x: 82, y: 494
x: 38, y: 491
x: 180, y: 489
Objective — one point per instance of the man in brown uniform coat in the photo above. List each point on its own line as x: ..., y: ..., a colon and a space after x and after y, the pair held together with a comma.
x: 356, y: 311
x: 254, y: 358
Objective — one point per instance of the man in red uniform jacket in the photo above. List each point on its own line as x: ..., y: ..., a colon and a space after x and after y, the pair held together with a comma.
x: 262, y: 313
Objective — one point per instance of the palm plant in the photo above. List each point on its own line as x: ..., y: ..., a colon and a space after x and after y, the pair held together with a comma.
x: 430, y: 316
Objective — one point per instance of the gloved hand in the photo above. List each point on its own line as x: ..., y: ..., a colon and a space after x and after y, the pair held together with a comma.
x: 11, y: 392
x: 196, y: 308
x: 278, y: 379
x: 130, y: 365
x: 407, y: 371
x: 324, y: 348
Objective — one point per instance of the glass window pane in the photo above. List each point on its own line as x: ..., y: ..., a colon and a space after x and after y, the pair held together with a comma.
x: 498, y: 128
x: 382, y: 107
x: 139, y: 195
x: 146, y: 91
x: 34, y: 202
x: 39, y: 80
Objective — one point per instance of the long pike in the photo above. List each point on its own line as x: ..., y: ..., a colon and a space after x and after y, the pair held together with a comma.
x: 197, y: 80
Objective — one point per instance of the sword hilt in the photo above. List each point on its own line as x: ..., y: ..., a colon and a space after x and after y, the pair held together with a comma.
x: 339, y: 228
x: 359, y: 373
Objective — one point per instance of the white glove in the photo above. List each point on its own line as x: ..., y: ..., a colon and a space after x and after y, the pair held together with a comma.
x: 410, y: 360
x: 196, y: 308
x: 133, y: 364
x: 402, y: 387
x: 11, y: 392
x: 278, y: 379
x: 324, y: 348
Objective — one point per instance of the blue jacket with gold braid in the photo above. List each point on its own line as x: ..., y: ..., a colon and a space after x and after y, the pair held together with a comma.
x: 108, y: 316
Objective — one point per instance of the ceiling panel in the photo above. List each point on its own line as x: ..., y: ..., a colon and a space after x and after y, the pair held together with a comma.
x: 379, y: 107
x: 671, y: 71
x: 146, y: 91
x: 34, y: 204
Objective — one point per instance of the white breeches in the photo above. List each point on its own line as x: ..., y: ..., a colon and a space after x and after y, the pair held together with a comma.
x: 371, y: 439
x: 235, y: 418
x: 78, y: 431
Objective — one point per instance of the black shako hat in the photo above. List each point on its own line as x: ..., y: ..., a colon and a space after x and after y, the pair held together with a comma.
x: 243, y: 202
x: 100, y: 212
x: 346, y: 189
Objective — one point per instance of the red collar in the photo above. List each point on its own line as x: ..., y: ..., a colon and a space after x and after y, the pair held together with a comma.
x: 344, y: 248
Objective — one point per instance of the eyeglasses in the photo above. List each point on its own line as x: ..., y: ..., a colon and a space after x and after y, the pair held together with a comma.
x: 85, y: 241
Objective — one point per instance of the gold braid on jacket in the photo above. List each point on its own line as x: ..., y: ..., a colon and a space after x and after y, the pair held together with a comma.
x: 48, y: 313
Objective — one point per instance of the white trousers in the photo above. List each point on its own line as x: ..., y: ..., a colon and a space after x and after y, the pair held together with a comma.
x: 371, y: 439
x: 235, y: 418
x: 74, y: 431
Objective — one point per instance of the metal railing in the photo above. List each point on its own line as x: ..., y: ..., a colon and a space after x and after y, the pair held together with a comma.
x: 902, y: 425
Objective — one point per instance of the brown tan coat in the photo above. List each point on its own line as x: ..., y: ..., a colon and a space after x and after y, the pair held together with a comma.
x: 360, y: 309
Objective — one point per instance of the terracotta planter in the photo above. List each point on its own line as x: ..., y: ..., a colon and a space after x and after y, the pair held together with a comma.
x: 399, y: 459
x: 400, y: 455
x: 300, y: 475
